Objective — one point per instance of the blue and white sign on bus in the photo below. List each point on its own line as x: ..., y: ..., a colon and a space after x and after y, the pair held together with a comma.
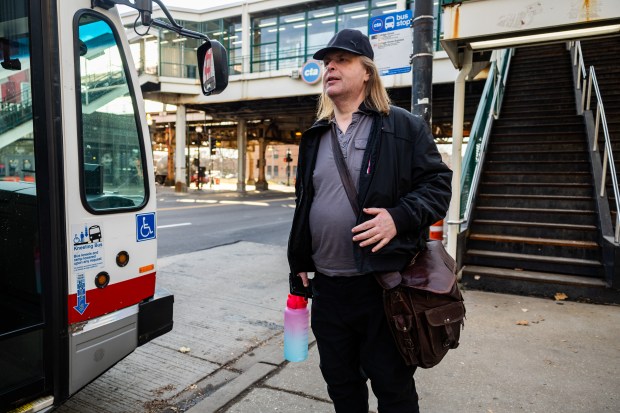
x: 391, y: 37
x: 311, y: 72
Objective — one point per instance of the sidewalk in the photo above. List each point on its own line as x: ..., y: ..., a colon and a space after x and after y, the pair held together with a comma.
x: 565, y: 360
x: 225, y: 352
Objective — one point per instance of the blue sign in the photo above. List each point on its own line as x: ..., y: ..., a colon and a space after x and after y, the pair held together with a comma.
x: 311, y: 72
x: 81, y: 295
x: 391, y: 39
x: 390, y: 22
x: 145, y: 226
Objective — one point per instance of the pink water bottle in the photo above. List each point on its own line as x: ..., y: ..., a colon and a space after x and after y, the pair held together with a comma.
x: 296, y: 328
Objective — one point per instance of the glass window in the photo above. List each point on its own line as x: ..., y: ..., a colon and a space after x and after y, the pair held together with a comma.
x: 292, y: 44
x: 380, y: 7
x: 113, y: 158
x: 264, y: 44
x: 321, y: 28
x: 235, y: 58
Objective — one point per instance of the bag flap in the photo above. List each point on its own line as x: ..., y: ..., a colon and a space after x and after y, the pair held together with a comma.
x: 388, y: 280
x: 446, y: 314
x: 432, y: 270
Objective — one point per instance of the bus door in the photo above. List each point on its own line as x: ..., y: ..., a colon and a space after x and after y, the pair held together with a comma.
x: 22, y: 297
x: 110, y: 210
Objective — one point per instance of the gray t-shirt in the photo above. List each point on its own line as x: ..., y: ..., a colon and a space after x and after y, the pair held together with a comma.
x: 331, y: 216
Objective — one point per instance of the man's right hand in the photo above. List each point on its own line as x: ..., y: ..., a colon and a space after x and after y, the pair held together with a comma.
x: 304, y: 278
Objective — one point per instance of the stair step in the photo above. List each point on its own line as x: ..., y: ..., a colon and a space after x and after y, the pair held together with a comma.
x: 531, y: 257
x: 536, y: 201
x: 529, y: 188
x: 538, y: 166
x: 537, y: 276
x: 551, y: 215
x: 536, y: 224
x: 541, y: 162
x: 570, y: 185
x: 515, y: 109
x: 536, y: 177
x: 543, y: 153
x: 532, y: 240
x: 570, y: 145
x: 548, y: 128
x: 533, y: 229
x: 539, y: 210
x: 531, y: 135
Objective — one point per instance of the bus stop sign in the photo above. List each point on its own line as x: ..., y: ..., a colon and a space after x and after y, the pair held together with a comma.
x: 391, y: 38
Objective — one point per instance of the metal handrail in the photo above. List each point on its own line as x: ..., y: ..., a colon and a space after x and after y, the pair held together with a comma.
x: 497, y: 82
x: 578, y: 61
x: 608, y: 155
x: 601, y: 119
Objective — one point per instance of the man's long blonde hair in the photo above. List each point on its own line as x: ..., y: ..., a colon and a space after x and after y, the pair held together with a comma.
x: 376, y: 95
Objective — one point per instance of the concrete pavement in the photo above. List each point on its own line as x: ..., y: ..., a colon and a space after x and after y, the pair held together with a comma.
x: 225, y: 353
x: 565, y: 360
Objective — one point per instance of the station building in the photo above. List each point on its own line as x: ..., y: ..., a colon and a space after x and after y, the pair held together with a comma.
x: 269, y: 100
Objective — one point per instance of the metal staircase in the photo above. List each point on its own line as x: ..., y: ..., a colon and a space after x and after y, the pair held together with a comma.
x: 534, y: 228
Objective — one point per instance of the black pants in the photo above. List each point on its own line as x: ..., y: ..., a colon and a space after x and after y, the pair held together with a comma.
x: 355, y: 344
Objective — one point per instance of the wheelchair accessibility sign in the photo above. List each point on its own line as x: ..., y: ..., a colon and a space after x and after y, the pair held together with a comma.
x: 145, y: 227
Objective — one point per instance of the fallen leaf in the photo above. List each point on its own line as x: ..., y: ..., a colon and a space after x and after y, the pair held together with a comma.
x: 523, y: 323
x: 560, y: 296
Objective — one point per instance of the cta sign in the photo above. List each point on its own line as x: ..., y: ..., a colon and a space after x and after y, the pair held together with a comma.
x: 391, y: 38
x: 311, y: 72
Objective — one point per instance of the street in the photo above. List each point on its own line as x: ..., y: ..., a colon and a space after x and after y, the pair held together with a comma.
x: 201, y: 219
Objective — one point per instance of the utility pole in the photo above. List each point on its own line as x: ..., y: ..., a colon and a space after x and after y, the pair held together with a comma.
x: 422, y: 60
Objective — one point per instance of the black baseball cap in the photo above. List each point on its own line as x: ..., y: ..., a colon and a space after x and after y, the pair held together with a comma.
x: 350, y: 40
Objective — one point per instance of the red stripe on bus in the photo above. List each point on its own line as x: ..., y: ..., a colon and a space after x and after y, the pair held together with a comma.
x: 112, y: 298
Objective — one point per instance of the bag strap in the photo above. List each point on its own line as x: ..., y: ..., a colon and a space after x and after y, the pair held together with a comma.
x: 343, y: 171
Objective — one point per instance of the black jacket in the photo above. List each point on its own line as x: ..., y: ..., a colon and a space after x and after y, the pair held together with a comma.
x: 402, y: 172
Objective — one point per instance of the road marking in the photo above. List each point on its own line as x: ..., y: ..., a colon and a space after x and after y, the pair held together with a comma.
x: 174, y: 225
x: 215, y: 203
x: 245, y: 203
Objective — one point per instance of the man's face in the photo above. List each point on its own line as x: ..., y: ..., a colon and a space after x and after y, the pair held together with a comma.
x: 345, y: 76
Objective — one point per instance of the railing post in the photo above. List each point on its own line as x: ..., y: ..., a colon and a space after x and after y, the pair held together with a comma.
x: 574, y: 54
x: 583, y: 95
x: 604, y: 177
x: 457, y: 143
x: 589, y: 89
x: 598, y: 121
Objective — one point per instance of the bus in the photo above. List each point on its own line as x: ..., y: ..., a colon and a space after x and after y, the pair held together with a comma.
x: 78, y: 219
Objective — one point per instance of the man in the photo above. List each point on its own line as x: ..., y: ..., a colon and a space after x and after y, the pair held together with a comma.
x: 403, y: 187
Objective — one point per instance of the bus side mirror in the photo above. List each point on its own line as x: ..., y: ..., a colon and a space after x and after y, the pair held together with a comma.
x: 213, y: 67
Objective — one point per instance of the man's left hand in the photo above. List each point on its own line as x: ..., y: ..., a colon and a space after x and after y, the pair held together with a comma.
x: 379, y: 230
